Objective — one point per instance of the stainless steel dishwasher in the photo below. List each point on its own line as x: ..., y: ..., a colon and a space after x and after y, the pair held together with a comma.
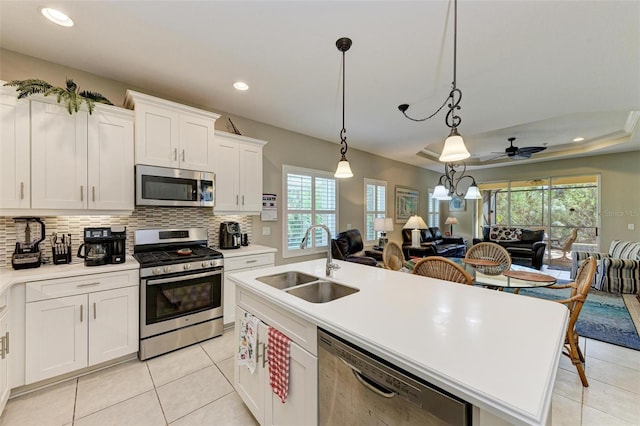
x: 357, y: 388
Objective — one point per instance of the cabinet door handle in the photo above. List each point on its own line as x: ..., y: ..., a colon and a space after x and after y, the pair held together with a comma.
x: 81, y: 312
x: 236, y: 199
x: 22, y: 190
x: 243, y: 200
x: 252, y: 261
x: 2, y: 351
x: 94, y: 310
x: 93, y: 193
x: 175, y: 154
x: 183, y: 155
x: 264, y: 355
x: 81, y: 193
x: 6, y: 342
x: 88, y: 284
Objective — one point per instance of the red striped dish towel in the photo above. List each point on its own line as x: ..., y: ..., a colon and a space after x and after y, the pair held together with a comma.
x: 278, y: 345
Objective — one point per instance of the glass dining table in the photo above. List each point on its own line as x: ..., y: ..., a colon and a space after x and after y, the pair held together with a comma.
x: 516, y: 277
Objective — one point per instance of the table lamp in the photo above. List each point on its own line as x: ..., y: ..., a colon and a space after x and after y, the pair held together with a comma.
x: 382, y: 225
x: 416, y: 223
x: 451, y: 221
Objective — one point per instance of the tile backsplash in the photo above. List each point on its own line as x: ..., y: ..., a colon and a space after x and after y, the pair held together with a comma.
x: 142, y: 217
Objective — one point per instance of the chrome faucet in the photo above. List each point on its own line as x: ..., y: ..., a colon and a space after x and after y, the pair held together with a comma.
x: 303, y: 244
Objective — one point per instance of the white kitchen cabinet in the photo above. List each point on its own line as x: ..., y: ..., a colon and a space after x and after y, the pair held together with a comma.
x: 15, y: 184
x: 300, y: 407
x: 81, y: 161
x: 238, y: 169
x: 239, y: 264
x: 172, y: 135
x: 72, y: 323
x: 5, y: 348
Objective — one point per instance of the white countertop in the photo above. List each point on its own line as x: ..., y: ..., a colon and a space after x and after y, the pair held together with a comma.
x: 247, y: 250
x: 9, y: 276
x: 496, y: 350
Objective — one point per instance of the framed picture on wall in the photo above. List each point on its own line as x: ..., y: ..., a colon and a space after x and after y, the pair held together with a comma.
x: 457, y: 204
x: 406, y: 204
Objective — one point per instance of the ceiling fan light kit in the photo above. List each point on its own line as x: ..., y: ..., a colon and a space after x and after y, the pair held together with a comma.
x: 515, y: 153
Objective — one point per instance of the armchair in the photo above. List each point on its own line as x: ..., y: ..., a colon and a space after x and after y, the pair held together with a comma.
x: 348, y: 246
x: 618, y: 270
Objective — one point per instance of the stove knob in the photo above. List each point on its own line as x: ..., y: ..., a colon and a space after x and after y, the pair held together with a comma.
x: 156, y: 271
x: 187, y: 266
x: 167, y: 269
x: 205, y: 264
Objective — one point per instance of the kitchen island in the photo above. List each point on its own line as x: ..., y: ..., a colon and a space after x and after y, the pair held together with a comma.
x: 495, y: 350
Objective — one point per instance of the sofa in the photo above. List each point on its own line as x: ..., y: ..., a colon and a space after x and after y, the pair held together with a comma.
x: 348, y: 246
x: 618, y: 270
x: 432, y: 243
x: 525, y: 246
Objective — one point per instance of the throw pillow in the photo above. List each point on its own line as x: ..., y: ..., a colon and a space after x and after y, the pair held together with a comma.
x: 502, y: 233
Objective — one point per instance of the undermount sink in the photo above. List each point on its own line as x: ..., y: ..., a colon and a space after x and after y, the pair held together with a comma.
x: 322, y: 291
x: 287, y: 279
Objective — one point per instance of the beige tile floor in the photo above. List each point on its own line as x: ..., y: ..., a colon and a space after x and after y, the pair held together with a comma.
x: 192, y: 386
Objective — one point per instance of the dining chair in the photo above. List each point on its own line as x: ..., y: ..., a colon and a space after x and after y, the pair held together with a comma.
x: 579, y: 290
x: 392, y: 256
x: 490, y: 251
x: 442, y: 268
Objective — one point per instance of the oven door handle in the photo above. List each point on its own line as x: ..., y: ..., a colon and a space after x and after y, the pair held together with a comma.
x: 182, y: 277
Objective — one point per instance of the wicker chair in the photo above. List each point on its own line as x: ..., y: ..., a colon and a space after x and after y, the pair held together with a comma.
x: 442, y: 268
x: 579, y: 290
x: 490, y: 251
x: 392, y: 256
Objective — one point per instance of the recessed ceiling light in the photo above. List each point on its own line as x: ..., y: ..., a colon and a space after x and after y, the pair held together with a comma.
x: 241, y: 85
x: 578, y: 139
x: 57, y: 17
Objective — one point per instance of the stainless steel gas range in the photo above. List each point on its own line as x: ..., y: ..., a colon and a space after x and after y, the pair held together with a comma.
x: 180, y: 289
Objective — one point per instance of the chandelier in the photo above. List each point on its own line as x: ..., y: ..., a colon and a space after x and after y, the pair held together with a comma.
x: 447, y: 186
x: 344, y: 169
x: 454, y: 147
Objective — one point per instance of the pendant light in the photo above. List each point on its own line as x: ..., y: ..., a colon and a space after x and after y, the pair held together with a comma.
x: 454, y: 147
x: 344, y: 169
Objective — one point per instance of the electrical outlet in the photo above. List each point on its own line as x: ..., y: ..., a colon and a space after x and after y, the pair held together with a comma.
x: 266, y: 230
x: 631, y: 227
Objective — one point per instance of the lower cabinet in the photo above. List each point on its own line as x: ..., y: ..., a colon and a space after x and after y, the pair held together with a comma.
x: 301, y: 405
x: 4, y: 354
x: 94, y: 320
x: 239, y: 264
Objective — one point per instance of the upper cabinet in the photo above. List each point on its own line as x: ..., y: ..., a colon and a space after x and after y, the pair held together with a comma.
x: 169, y: 134
x: 238, y: 169
x: 81, y: 161
x: 55, y: 162
x: 15, y: 182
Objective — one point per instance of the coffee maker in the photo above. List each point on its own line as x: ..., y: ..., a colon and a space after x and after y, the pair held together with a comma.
x: 103, y: 245
x: 230, y: 235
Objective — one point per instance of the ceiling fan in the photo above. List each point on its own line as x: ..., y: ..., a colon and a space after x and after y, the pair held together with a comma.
x: 515, y: 153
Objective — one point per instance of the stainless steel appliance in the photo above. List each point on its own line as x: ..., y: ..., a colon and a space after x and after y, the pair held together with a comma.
x: 358, y: 388
x: 118, y: 250
x: 27, y: 251
x: 230, y: 235
x: 161, y: 186
x: 180, y: 289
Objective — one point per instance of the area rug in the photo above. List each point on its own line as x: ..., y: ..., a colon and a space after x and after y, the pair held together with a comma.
x: 604, y: 316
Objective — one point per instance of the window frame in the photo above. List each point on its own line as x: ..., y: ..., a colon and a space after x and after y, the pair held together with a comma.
x: 377, y: 213
x: 313, y: 174
x: 431, y: 214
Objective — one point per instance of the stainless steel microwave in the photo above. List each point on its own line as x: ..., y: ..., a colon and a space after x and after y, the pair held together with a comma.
x: 162, y: 186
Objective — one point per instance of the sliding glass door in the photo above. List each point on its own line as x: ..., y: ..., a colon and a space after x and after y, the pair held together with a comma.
x: 565, y: 207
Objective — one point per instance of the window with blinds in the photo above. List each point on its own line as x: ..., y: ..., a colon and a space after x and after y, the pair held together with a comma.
x: 311, y: 198
x: 433, y: 217
x: 375, y: 202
